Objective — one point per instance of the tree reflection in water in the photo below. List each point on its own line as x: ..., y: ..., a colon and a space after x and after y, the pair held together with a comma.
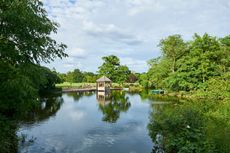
x: 78, y: 95
x: 111, y: 104
x: 190, y: 127
x: 50, y: 104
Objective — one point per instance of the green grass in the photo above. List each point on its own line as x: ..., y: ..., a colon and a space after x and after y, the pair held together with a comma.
x: 90, y: 85
x: 76, y: 85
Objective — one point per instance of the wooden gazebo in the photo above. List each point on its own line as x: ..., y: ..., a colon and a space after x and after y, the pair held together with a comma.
x: 103, y: 84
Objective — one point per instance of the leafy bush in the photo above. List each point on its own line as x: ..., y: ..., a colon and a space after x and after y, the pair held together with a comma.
x: 193, y: 127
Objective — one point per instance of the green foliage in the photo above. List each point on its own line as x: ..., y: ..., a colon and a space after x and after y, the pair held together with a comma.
x: 160, y: 69
x: 122, y: 74
x: 132, y: 78
x: 216, y: 88
x: 74, y: 76
x: 24, y: 33
x: 190, y: 66
x: 144, y: 80
x: 110, y: 68
x: 113, y: 70
x: 173, y: 47
x: 192, y: 127
x: 77, y: 76
x: 8, y: 138
x: 16, y: 92
x: 20, y: 86
x: 25, y: 41
x: 89, y: 77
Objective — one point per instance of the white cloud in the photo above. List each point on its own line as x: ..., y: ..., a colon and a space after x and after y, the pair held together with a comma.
x: 134, y: 64
x: 130, y: 29
x: 138, y: 6
x: 77, y: 53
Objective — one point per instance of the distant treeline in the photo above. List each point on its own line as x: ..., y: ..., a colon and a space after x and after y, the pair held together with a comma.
x: 111, y: 68
x: 200, y: 67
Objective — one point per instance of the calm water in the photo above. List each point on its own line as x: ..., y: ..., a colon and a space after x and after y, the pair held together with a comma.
x: 88, y: 123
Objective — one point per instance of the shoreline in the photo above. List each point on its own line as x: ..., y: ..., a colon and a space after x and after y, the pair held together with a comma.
x: 66, y: 90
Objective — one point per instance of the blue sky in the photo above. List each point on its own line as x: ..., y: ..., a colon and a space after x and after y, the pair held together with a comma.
x: 129, y: 29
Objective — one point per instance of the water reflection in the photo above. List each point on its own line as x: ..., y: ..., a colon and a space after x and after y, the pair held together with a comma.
x: 78, y: 95
x: 49, y: 106
x: 103, y: 97
x: 80, y: 122
x: 111, y: 104
x: 190, y: 127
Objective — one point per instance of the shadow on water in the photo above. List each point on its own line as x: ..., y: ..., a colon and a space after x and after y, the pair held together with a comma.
x: 49, y: 106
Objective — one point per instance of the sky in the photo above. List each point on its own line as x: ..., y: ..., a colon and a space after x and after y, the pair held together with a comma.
x: 129, y: 29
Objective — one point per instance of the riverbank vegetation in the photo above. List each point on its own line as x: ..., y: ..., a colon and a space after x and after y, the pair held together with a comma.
x: 85, y: 85
x: 195, y: 69
x: 191, y: 126
x: 111, y: 68
x: 25, y: 42
x: 200, y: 67
x: 198, y: 70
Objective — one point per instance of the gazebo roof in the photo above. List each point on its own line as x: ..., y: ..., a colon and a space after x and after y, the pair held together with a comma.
x: 104, y: 79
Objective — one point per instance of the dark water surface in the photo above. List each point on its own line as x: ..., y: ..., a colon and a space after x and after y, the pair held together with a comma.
x: 89, y: 123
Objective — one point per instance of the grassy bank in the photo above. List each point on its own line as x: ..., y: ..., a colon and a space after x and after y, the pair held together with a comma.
x: 75, y: 85
x: 85, y: 85
x: 195, y: 95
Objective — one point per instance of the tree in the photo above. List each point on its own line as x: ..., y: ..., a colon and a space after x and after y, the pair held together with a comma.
x: 225, y: 49
x: 123, y: 73
x: 173, y: 47
x: 109, y: 66
x: 112, y: 69
x: 198, y: 66
x: 75, y: 76
x: 24, y: 42
x: 144, y: 80
x: 89, y: 77
x: 25, y: 30
x: 159, y: 70
x: 132, y: 78
x: 189, y: 65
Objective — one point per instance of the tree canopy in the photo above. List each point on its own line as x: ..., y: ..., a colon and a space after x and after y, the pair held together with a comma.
x: 191, y: 65
x: 112, y: 69
x: 25, y: 41
x: 25, y: 33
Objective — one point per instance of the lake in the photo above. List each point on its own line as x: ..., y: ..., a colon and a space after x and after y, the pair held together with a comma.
x: 89, y: 122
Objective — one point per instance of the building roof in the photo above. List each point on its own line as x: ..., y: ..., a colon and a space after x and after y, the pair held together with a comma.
x: 104, y: 79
